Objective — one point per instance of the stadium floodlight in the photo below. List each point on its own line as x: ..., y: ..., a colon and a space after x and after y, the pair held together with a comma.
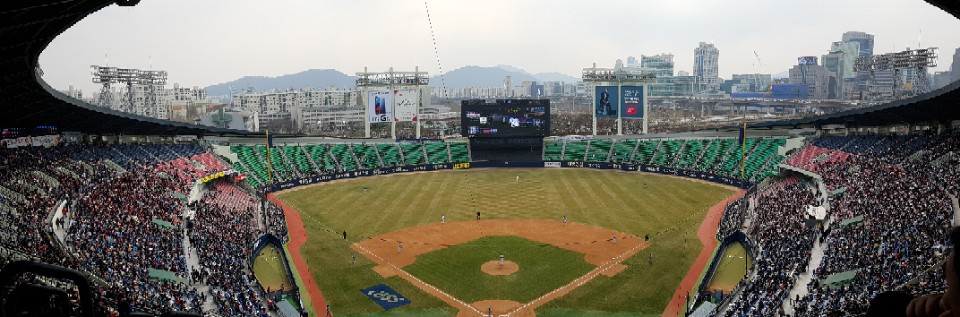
x: 148, y: 79
x: 918, y: 61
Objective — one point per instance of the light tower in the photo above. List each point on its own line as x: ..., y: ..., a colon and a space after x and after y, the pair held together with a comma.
x: 919, y: 60
x: 149, y: 79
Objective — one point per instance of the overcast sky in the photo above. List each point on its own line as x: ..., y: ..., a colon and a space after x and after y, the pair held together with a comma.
x: 202, y: 42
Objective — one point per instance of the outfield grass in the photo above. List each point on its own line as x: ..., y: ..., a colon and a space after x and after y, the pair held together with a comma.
x: 270, y: 269
x: 668, y: 209
x: 456, y: 269
x: 731, y: 268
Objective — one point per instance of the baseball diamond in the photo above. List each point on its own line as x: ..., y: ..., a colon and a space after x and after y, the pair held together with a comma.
x: 615, y: 276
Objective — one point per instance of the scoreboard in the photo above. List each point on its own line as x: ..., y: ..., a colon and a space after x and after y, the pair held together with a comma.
x: 505, y: 118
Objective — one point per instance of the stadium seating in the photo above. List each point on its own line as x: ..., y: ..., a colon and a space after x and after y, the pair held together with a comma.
x: 552, y: 150
x: 390, y: 153
x: 761, y: 156
x: 413, y: 153
x: 437, y: 152
x: 598, y: 151
x: 622, y: 150
x: 645, y: 152
x: 690, y: 154
x: 667, y: 152
x: 320, y: 155
x: 367, y: 156
x: 126, y: 227
x: 459, y: 152
x: 252, y: 161
x: 713, y: 152
x: 575, y: 151
x: 341, y: 151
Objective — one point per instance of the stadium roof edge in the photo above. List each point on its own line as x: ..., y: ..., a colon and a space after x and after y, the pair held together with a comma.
x: 28, y: 26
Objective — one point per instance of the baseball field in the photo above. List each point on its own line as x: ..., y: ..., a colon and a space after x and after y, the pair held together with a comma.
x: 628, y: 240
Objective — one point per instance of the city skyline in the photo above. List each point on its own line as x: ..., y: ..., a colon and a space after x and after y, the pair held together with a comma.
x: 202, y: 44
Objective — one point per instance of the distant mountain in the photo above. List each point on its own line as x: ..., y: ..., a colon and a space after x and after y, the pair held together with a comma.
x: 314, y: 78
x: 552, y: 76
x: 479, y: 76
x: 512, y: 69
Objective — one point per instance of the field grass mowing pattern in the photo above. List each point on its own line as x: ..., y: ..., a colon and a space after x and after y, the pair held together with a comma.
x: 668, y: 209
x: 456, y: 269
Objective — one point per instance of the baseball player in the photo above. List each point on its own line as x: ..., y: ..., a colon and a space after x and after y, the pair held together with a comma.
x: 443, y: 218
x: 564, y: 219
x: 501, y: 259
x: 613, y: 238
x: 399, y: 246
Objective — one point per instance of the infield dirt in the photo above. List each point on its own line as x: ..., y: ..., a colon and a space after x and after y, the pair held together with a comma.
x: 601, y: 247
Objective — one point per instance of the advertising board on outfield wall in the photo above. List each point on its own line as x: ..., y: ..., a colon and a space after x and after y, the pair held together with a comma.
x: 508, y: 164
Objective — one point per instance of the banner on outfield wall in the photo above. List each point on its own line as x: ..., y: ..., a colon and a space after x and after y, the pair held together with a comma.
x: 505, y: 164
x: 551, y: 164
x: 379, y: 103
x: 406, y: 105
x: 461, y: 166
x: 360, y: 173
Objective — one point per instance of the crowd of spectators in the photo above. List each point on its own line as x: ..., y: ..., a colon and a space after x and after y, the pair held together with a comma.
x: 223, y: 231
x: 896, y: 183
x: 123, y: 218
x: 784, y: 241
x: 906, y: 217
x: 120, y: 235
x: 275, y: 220
x: 733, y: 217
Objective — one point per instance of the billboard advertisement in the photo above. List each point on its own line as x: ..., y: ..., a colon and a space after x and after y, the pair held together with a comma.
x: 406, y: 107
x: 506, y: 118
x: 379, y: 103
x: 631, y: 105
x: 606, y: 101
x: 807, y: 60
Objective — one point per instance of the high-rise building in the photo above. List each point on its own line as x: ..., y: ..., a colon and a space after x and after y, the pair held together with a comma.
x: 661, y: 64
x: 865, y: 40
x: 814, y: 76
x: 840, y: 67
x: 941, y: 79
x: 706, y: 70
x: 618, y: 64
x: 632, y: 61
x: 955, y: 66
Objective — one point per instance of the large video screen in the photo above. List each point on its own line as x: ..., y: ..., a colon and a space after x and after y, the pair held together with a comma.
x: 505, y: 118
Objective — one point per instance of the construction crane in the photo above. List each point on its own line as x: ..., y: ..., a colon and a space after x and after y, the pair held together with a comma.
x: 763, y: 70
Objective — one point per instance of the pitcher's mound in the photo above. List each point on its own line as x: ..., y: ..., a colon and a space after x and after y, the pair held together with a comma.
x: 494, y: 268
